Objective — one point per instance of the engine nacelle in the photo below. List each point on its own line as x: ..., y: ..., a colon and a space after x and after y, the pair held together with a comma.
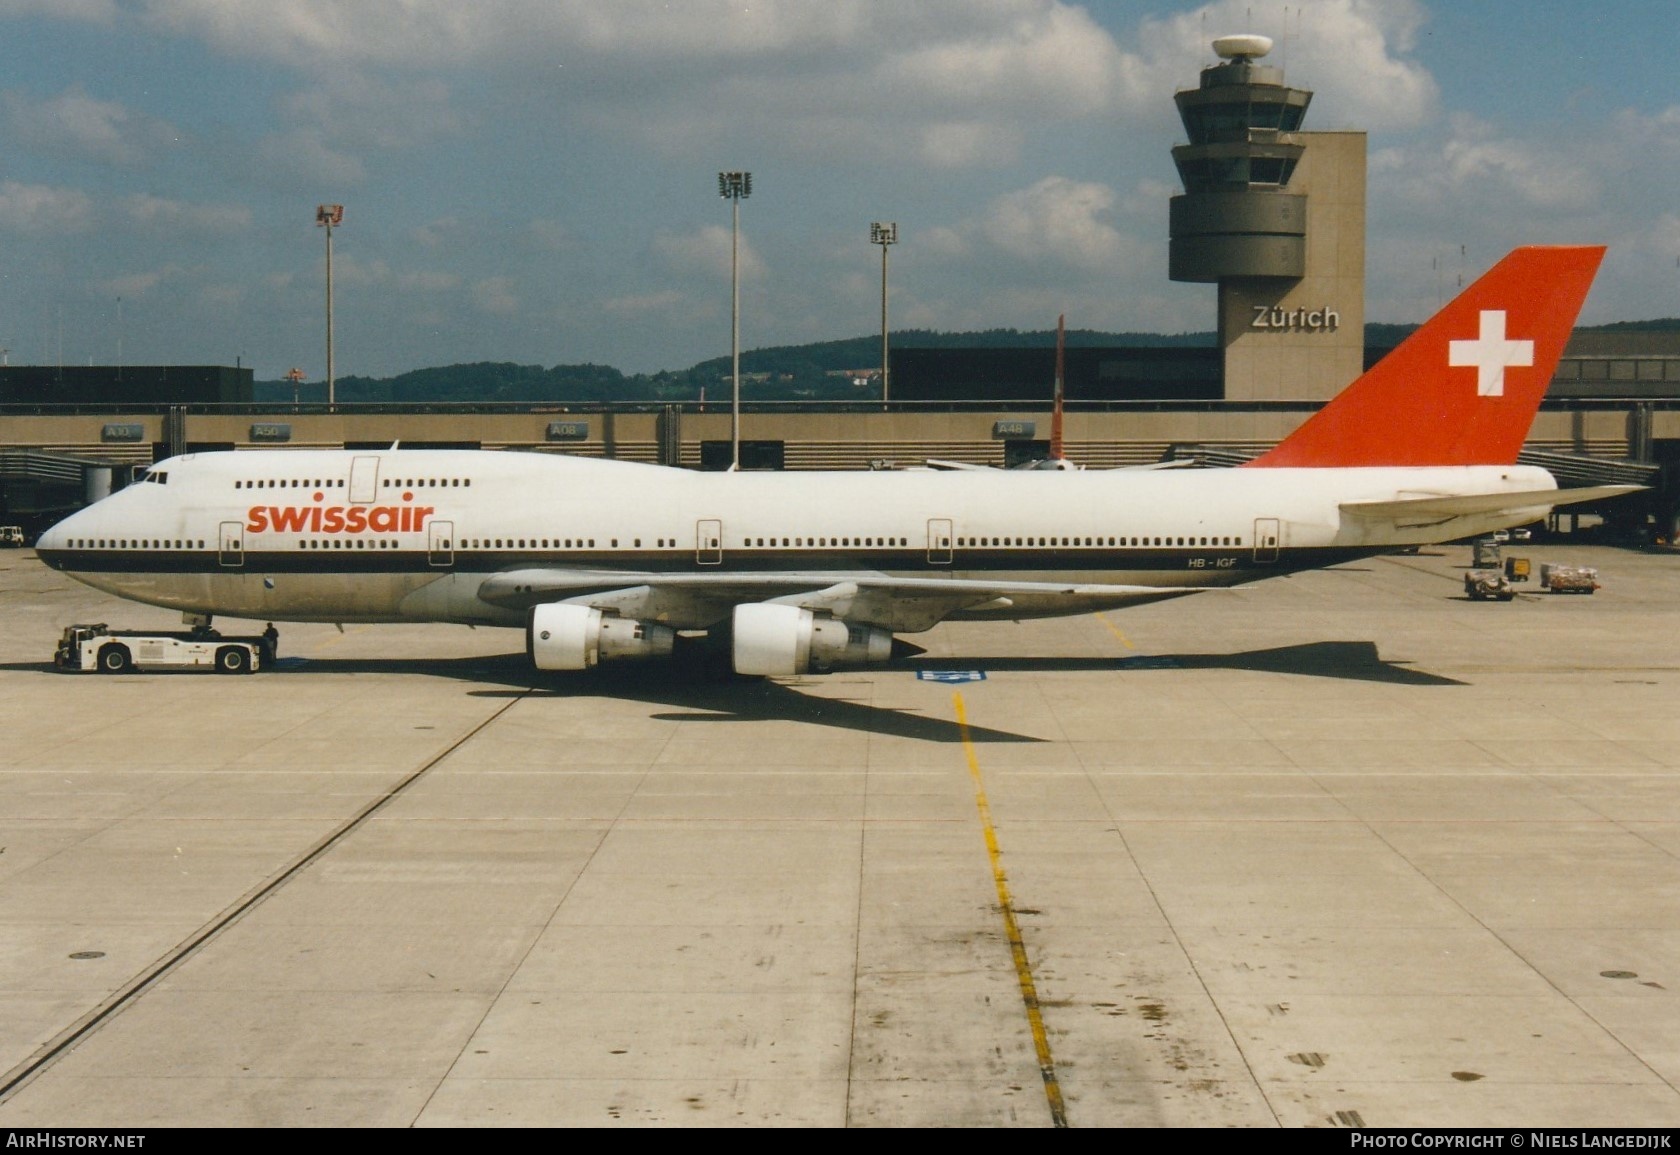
x: 778, y: 639
x: 562, y: 636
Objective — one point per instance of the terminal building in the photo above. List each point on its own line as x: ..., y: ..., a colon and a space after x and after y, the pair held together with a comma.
x: 1272, y: 215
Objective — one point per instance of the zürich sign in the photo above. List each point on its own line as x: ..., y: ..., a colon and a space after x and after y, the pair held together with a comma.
x: 1320, y: 320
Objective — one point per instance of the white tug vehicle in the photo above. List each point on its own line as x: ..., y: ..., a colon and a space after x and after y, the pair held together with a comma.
x: 86, y: 648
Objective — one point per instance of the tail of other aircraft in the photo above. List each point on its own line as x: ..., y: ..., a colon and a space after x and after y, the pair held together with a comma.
x: 1463, y: 389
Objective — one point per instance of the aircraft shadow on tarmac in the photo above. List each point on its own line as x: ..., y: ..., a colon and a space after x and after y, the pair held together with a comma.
x: 705, y: 697
x: 1347, y: 660
x: 700, y: 695
x: 1351, y: 661
x: 698, y: 691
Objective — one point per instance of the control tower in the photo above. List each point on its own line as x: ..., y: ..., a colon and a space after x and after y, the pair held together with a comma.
x: 1276, y: 217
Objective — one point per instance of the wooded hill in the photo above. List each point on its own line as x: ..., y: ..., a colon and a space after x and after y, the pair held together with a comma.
x: 824, y: 371
x: 818, y: 372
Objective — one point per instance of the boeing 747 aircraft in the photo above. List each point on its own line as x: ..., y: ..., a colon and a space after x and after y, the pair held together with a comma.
x: 793, y: 572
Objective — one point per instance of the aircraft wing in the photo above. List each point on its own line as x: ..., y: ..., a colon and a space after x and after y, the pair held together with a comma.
x: 1432, y: 509
x: 903, y: 604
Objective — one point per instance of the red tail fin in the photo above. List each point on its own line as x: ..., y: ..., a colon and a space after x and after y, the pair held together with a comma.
x: 1463, y: 388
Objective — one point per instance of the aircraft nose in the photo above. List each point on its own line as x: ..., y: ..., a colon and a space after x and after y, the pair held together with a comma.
x: 55, y: 537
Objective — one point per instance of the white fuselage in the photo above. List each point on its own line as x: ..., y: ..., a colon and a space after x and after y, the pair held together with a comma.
x: 408, y: 535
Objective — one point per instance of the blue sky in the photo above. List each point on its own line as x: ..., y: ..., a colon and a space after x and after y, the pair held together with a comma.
x: 535, y: 180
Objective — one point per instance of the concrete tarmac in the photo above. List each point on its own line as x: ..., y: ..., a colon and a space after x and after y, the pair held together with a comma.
x: 1337, y: 850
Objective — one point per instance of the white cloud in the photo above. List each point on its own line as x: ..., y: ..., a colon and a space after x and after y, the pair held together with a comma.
x: 1475, y: 164
x: 423, y: 281
x: 973, y: 35
x: 1533, y: 172
x: 944, y: 83
x: 303, y: 156
x: 1664, y: 238
x: 221, y: 298
x: 1147, y: 198
x: 88, y: 11
x: 496, y: 295
x: 1639, y: 273
x: 1058, y: 220
x: 946, y: 144
x: 706, y: 252
x: 551, y: 235
x: 77, y: 124
x: 351, y: 272
x: 552, y: 159
x: 1049, y: 56
x: 947, y: 83
x: 644, y: 304
x: 44, y: 209
x: 1660, y: 130
x: 354, y: 272
x: 174, y: 216
x: 136, y: 284
x: 435, y: 234
x: 942, y: 242
x: 1351, y: 53
x: 959, y: 79
x: 360, y: 112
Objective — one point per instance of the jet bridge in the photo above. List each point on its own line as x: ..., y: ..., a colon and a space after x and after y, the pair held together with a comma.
x: 39, y: 487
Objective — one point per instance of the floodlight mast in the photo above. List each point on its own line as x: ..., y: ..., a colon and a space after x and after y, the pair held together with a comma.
x: 1056, y: 404
x: 735, y: 187
x: 296, y: 377
x: 883, y: 235
x: 328, y: 216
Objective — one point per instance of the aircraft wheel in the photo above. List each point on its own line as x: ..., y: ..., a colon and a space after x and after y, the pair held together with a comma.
x: 232, y: 660
x: 114, y: 659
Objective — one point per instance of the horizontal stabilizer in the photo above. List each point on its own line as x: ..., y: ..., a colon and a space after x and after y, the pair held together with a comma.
x: 1428, y: 508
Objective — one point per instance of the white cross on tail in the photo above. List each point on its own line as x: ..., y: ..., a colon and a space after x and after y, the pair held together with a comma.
x: 1490, y: 353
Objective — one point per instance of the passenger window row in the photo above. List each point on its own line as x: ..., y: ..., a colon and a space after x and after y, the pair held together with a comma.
x: 1097, y: 541
x: 803, y: 542
x: 290, y: 483
x: 866, y: 542
x: 318, y: 483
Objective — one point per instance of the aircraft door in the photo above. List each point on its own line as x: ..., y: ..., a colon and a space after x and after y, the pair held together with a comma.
x: 440, y: 543
x: 708, y: 542
x: 230, y: 544
x: 364, y: 480
x: 939, y: 541
x: 1268, y: 536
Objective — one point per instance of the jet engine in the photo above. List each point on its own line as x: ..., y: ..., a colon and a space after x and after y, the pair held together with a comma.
x: 564, y: 636
x: 781, y: 639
